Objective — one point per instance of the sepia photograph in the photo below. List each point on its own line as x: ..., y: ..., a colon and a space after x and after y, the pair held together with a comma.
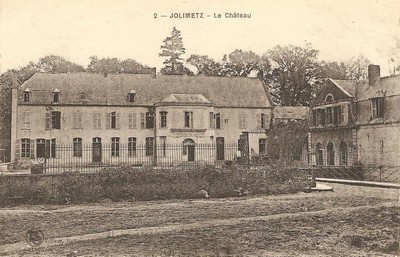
x: 200, y: 128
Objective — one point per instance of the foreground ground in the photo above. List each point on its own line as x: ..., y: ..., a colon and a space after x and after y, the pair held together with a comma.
x: 351, y: 221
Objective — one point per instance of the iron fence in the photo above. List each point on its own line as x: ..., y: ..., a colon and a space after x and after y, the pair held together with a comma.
x: 92, y: 158
x: 377, y: 173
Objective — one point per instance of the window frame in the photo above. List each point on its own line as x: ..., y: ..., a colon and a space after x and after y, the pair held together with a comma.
x: 149, y: 146
x: 77, y: 147
x: 132, y: 146
x: 377, y: 107
x: 25, y: 148
x: 163, y: 119
x: 149, y: 120
x: 115, y: 147
x: 55, y: 120
x: 188, y: 119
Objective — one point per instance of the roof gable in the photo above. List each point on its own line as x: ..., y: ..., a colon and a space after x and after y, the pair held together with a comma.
x: 97, y: 89
x: 338, y: 89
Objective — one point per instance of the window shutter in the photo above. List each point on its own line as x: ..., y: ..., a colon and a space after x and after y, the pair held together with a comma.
x: 346, y: 112
x: 259, y: 121
x: 108, y: 120
x: 117, y: 126
x: 222, y: 120
x: 48, y: 120
x: 94, y: 121
x: 266, y: 120
x: 79, y: 120
x: 130, y: 120
x: 32, y: 146
x: 143, y: 120
x: 133, y: 120
x: 18, y: 149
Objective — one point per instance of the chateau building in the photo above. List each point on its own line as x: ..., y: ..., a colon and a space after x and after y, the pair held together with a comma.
x: 52, y: 110
x: 356, y: 123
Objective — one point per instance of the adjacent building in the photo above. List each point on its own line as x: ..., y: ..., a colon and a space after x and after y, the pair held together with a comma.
x: 356, y: 123
x: 145, y: 113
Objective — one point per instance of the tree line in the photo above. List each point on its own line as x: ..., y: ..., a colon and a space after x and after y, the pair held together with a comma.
x: 293, y: 74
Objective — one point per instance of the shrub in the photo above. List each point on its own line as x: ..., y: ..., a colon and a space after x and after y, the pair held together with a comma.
x: 127, y: 184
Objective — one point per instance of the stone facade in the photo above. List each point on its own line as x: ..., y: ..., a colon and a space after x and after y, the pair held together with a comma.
x: 57, y: 109
x: 356, y: 123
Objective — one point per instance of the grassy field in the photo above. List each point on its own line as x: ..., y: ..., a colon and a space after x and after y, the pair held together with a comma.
x: 351, y: 221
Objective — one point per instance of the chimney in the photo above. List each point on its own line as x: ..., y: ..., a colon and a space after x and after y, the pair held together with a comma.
x: 153, y: 72
x: 374, y: 74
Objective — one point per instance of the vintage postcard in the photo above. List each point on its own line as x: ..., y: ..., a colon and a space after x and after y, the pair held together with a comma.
x: 199, y: 128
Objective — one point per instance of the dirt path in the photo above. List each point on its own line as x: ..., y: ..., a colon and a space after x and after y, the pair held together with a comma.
x: 176, y: 228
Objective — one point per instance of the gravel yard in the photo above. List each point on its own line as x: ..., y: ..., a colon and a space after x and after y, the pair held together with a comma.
x: 351, y: 221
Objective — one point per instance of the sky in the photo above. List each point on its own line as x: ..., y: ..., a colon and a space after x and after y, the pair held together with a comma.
x: 76, y: 30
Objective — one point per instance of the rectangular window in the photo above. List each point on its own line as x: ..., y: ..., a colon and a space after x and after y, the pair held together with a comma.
x: 132, y: 120
x: 113, y: 120
x: 163, y: 119
x: 329, y: 115
x: 77, y: 147
x: 264, y: 121
x: 56, y: 120
x: 261, y: 145
x: 115, y: 146
x: 162, y: 146
x: 53, y: 148
x: 342, y: 114
x: 25, y: 148
x: 56, y: 97
x: 26, y: 120
x: 320, y: 117
x: 97, y: 120
x: 314, y: 117
x: 149, y: 146
x: 188, y: 119
x: 40, y: 148
x: 149, y: 120
x: 211, y: 120
x: 218, y: 121
x: 377, y: 107
x: 242, y: 121
x: 132, y: 146
x: 77, y: 120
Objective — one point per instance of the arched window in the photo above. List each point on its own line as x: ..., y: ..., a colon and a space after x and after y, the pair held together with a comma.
x: 186, y: 143
x: 343, y: 153
x: 329, y: 98
x: 27, y: 95
x: 56, y: 96
x: 319, y: 151
x: 330, y: 152
x: 131, y: 96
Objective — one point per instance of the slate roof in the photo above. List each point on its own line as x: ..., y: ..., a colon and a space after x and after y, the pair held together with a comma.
x: 97, y: 89
x: 186, y: 98
x: 349, y: 86
x: 387, y: 86
x: 291, y: 112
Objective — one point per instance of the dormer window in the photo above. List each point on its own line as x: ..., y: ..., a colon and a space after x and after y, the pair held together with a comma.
x: 329, y: 98
x: 27, y: 95
x: 56, y: 96
x: 131, y: 96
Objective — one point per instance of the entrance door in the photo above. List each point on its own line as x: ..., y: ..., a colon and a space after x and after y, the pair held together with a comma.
x: 220, y: 148
x: 188, y: 149
x: 96, y: 149
x: 191, y: 152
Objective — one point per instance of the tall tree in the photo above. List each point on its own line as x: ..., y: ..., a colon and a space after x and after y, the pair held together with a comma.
x: 296, y: 74
x: 115, y: 66
x: 52, y: 63
x: 173, y: 49
x: 57, y: 64
x: 334, y: 70
x: 205, y: 66
x: 357, y: 68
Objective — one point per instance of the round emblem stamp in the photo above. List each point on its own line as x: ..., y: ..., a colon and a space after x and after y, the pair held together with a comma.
x: 34, y: 237
x: 40, y: 160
